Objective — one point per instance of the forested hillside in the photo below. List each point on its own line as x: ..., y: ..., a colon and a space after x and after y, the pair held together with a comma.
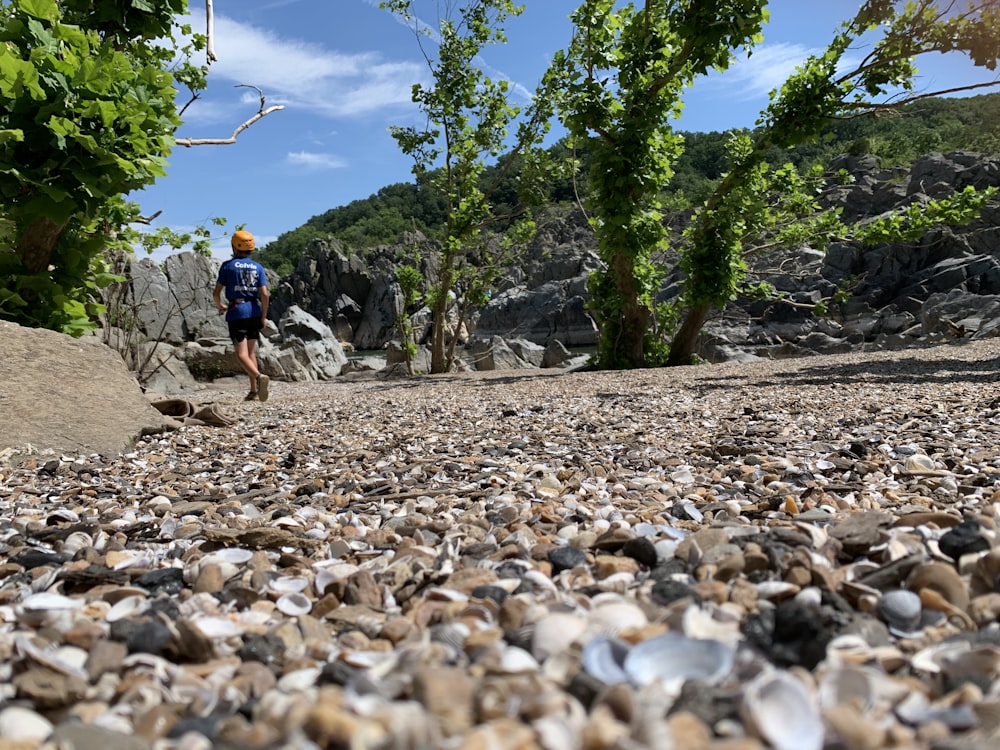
x: 898, y: 138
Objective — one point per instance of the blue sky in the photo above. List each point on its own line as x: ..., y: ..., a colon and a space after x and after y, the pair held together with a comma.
x: 343, y: 70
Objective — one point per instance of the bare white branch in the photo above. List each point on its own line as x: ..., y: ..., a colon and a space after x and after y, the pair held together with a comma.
x: 261, y: 113
x: 209, y: 33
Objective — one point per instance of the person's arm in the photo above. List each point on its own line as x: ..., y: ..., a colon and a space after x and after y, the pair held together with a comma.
x: 265, y: 299
x: 217, y: 296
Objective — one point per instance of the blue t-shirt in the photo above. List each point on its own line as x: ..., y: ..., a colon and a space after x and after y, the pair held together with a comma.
x: 242, y: 277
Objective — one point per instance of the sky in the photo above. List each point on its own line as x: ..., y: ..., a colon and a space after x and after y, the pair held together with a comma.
x: 343, y: 71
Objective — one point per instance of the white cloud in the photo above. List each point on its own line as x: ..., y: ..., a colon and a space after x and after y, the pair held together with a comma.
x: 314, y: 161
x: 769, y: 67
x: 306, y: 75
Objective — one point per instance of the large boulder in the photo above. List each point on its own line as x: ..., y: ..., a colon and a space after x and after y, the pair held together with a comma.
x: 155, y: 306
x: 307, y: 349
x: 555, y: 310
x: 62, y: 395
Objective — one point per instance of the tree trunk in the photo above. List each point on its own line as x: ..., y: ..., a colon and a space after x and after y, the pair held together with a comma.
x: 683, y: 344
x: 439, y: 362
x: 36, y: 243
x: 634, y: 316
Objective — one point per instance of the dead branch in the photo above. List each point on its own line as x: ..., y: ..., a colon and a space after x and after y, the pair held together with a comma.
x: 262, y: 112
x: 147, y: 219
x: 209, y: 33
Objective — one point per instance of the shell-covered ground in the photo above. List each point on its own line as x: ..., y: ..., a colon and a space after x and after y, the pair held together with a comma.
x: 797, y: 554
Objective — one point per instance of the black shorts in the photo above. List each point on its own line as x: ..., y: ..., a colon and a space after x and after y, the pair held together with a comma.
x: 244, y: 328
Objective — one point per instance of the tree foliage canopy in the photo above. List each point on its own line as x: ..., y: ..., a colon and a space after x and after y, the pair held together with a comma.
x: 87, y: 115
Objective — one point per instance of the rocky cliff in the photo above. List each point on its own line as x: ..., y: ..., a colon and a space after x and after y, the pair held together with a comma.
x: 945, y: 286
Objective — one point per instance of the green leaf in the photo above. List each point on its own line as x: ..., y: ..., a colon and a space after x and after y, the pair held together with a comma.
x: 47, y: 10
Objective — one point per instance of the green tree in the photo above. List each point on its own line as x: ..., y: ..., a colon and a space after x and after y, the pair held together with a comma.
x: 746, y: 203
x: 87, y: 115
x: 469, y: 118
x: 625, y: 72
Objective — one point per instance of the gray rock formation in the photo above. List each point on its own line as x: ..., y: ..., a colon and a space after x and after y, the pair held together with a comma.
x: 940, y: 288
x: 64, y: 395
x: 177, y: 340
x: 889, y: 296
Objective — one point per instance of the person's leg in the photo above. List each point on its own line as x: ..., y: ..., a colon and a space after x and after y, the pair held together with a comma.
x: 262, y: 381
x: 246, y: 354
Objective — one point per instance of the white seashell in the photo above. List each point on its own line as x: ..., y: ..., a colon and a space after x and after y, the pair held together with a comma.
x: 604, y: 658
x: 442, y: 594
x: 77, y: 541
x: 67, y: 659
x: 918, y: 463
x: 666, y: 549
x: 644, y: 528
x: 294, y: 604
x: 516, y: 660
x: 218, y: 627
x: 65, y: 514
x: 368, y: 659
x: 121, y: 559
x: 783, y: 712
x: 127, y: 607
x: 811, y: 596
x: 934, y: 659
x: 682, y: 475
x: 549, y: 487
x: 22, y: 725
x: 846, y: 685
x: 288, y: 585
x: 234, y: 555
x: 44, y: 582
x: 46, y: 601
x: 676, y: 657
x: 300, y: 679
x: 776, y: 589
x: 614, y: 617
x: 555, y: 633
x: 704, y: 624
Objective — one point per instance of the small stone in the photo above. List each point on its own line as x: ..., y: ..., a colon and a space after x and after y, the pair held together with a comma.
x: 447, y: 693
x: 688, y: 731
x: 963, y: 539
x: 641, y: 550
x: 148, y: 637
x: 362, y: 589
x: 669, y: 591
x: 49, y: 689
x: 606, y: 566
x: 105, y: 657
x: 566, y: 558
x: 900, y: 610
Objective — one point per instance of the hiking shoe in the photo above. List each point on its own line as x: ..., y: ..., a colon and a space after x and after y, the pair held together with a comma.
x: 252, y: 396
x: 262, y: 382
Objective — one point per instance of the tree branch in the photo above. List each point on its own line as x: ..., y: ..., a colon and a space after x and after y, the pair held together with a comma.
x: 209, y: 33
x: 261, y: 113
x: 147, y: 219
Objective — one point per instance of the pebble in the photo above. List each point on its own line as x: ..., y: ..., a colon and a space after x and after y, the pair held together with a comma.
x: 725, y: 557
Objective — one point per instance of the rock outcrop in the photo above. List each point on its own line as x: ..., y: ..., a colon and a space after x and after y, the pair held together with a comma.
x: 68, y: 395
x: 172, y: 337
x: 945, y: 286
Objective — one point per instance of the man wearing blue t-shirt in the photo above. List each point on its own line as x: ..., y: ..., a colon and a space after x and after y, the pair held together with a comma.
x: 245, y: 283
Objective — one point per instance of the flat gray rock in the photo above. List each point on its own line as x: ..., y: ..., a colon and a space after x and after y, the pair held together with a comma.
x: 64, y: 395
